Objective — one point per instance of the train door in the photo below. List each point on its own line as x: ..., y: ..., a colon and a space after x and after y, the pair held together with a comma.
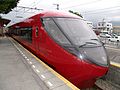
x: 36, y: 37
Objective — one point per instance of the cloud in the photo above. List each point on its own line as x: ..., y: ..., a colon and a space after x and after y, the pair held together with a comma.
x: 75, y: 5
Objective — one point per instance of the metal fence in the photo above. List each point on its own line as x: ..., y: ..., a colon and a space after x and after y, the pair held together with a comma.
x: 110, y: 43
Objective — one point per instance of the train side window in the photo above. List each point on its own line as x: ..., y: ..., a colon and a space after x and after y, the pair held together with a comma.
x: 37, y: 31
x: 54, y: 31
x: 26, y: 33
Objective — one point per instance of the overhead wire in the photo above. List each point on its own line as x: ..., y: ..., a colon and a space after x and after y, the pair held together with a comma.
x: 83, y: 4
x: 28, y: 8
x: 97, y: 10
x: 34, y: 6
x: 101, y: 9
x: 105, y: 10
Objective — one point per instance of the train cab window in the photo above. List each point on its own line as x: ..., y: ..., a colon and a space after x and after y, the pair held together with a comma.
x: 54, y: 31
x: 76, y: 29
x: 36, y: 31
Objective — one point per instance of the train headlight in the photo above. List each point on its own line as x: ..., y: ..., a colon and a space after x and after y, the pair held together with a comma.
x: 81, y: 56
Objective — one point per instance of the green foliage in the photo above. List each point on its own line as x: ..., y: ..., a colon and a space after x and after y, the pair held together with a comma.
x: 7, y: 5
x: 75, y: 13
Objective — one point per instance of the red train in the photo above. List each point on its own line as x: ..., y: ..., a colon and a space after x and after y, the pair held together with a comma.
x: 66, y: 43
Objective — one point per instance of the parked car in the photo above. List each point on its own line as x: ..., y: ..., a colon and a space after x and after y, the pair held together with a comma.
x: 113, y: 35
x: 105, y: 35
x: 114, y: 38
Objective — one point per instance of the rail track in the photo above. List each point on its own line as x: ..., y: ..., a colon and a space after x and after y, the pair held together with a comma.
x: 112, y: 80
x: 96, y: 87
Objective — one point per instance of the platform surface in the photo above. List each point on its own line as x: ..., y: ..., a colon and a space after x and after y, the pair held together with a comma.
x: 19, y: 70
x: 14, y: 74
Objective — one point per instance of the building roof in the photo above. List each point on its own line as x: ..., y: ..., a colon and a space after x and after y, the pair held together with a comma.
x: 4, y: 21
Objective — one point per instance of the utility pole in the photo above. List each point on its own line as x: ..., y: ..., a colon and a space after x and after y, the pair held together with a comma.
x: 57, y: 6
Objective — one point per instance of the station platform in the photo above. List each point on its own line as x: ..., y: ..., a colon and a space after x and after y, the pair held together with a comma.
x: 21, y: 70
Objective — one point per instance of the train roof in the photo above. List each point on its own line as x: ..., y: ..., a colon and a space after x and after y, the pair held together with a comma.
x: 49, y: 14
x: 58, y: 14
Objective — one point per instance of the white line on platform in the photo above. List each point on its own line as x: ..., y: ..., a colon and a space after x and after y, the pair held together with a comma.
x: 49, y: 83
x: 37, y: 70
x: 20, y: 51
x: 30, y: 62
x: 42, y: 76
x: 27, y: 59
x: 33, y: 66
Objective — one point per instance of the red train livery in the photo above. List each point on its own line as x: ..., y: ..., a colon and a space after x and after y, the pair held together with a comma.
x: 66, y: 43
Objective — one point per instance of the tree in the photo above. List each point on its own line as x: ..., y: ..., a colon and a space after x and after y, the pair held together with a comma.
x: 75, y: 13
x: 7, y: 5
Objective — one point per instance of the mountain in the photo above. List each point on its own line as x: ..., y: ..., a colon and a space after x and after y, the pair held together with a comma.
x: 115, y: 23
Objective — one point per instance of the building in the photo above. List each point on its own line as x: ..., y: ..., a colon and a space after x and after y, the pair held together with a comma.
x: 90, y: 24
x: 105, y: 27
x: 2, y: 23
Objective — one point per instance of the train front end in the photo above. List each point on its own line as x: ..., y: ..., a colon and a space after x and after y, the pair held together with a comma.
x: 86, y: 50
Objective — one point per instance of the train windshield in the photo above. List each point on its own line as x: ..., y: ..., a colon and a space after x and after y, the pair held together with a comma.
x: 78, y: 31
x: 72, y: 33
x: 82, y: 35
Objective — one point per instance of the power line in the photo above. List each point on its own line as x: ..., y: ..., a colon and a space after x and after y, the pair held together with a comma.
x: 104, y: 9
x: 31, y: 5
x: 22, y: 7
x: 28, y: 5
x: 25, y: 9
x: 83, y: 4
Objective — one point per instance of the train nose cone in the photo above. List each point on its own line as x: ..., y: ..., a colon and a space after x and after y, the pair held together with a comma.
x: 96, y: 55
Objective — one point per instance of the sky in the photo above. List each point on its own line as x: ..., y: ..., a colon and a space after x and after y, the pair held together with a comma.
x: 91, y: 10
